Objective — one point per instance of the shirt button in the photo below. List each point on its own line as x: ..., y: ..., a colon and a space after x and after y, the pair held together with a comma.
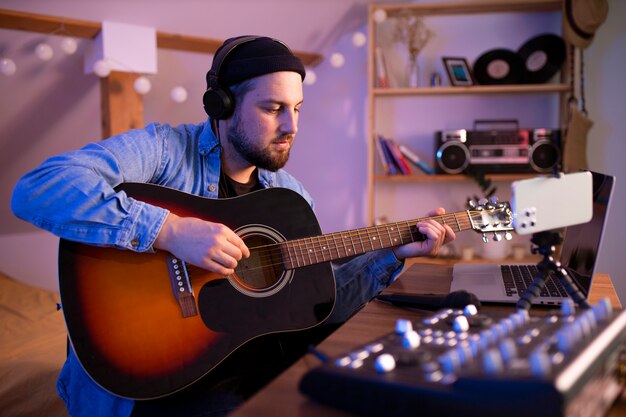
x: 134, y: 243
x: 211, y: 187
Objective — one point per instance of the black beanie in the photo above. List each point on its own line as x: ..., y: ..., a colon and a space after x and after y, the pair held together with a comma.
x: 251, y: 59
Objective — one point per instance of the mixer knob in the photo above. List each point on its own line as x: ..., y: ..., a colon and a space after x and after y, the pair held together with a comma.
x: 450, y: 361
x: 520, y: 317
x: 584, y: 325
x: 565, y: 339
x: 567, y: 308
x: 492, y: 362
x: 540, y: 365
x: 460, y: 324
x: 591, y: 318
x: 385, y: 363
x: 508, y: 350
x: 411, y: 340
x: 470, y: 310
x: 403, y: 326
x: 603, y: 309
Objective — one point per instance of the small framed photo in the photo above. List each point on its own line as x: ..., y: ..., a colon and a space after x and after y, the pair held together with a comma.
x: 458, y: 71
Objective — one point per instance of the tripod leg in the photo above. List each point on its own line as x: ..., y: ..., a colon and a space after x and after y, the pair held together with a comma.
x: 567, y: 283
x: 534, y: 289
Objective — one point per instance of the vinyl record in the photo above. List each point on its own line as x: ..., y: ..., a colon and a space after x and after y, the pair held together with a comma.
x: 542, y: 57
x: 498, y: 66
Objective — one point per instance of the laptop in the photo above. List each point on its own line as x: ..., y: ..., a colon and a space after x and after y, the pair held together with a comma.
x: 498, y: 283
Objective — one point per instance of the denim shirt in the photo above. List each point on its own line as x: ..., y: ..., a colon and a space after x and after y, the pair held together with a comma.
x: 72, y: 196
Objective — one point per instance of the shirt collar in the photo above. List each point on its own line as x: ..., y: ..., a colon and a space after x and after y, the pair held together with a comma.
x: 208, y: 141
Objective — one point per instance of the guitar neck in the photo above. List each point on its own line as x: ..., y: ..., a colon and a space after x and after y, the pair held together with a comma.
x: 312, y: 250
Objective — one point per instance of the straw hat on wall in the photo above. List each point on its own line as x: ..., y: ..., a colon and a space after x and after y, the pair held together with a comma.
x: 582, y: 18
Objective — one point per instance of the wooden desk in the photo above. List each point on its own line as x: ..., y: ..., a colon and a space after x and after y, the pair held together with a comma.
x: 282, y: 398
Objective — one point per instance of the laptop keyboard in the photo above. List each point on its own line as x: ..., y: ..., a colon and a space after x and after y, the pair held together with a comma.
x: 519, y: 277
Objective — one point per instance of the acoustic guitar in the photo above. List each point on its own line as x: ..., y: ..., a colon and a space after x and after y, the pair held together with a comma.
x: 146, y: 325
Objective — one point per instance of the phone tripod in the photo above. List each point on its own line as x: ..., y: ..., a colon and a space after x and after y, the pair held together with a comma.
x: 545, y: 243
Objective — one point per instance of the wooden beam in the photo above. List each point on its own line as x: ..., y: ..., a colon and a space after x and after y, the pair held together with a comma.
x: 52, y: 25
x: 121, y: 105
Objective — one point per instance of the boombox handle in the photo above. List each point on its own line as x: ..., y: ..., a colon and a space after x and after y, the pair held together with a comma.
x: 494, y: 123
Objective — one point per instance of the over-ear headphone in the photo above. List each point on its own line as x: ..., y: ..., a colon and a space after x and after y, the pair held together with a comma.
x: 219, y: 102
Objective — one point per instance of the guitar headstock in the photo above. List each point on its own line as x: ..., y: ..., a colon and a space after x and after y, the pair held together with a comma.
x: 491, y: 217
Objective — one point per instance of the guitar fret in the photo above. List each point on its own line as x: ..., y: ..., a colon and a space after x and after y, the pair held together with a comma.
x: 313, y: 250
x: 372, y: 239
x: 399, y: 232
x: 308, y: 251
x: 352, y: 242
x: 457, y: 222
x: 336, y: 247
x: 285, y: 249
x: 330, y: 257
x: 411, y: 236
x: 295, y: 254
x: 300, y: 256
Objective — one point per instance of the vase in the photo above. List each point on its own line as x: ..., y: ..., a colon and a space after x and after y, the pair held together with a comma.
x: 413, y: 72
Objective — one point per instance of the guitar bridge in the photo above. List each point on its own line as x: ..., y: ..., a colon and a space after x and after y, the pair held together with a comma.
x: 181, y: 286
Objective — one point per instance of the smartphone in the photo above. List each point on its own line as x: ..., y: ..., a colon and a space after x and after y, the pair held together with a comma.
x: 549, y: 203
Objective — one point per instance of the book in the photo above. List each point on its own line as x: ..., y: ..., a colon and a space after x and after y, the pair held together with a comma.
x: 398, y: 158
x: 416, y: 160
x: 386, y: 158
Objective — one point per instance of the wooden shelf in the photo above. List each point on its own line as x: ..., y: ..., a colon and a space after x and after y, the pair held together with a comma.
x: 53, y: 25
x: 471, y: 7
x: 476, y: 89
x: 448, y: 178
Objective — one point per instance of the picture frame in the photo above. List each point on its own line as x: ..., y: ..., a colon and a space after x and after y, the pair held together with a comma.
x: 458, y: 70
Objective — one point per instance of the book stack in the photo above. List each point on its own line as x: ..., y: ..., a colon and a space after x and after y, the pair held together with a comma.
x: 399, y: 159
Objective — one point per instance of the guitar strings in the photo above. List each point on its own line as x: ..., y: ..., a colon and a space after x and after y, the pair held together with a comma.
x: 312, y: 248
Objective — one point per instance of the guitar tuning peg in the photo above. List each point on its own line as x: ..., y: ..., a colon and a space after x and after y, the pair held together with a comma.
x: 471, y: 204
x: 508, y: 236
x: 483, y: 201
x: 497, y: 237
x: 485, y: 238
x: 494, y: 200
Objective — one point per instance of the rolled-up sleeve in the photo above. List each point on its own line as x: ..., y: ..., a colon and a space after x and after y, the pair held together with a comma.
x: 72, y: 195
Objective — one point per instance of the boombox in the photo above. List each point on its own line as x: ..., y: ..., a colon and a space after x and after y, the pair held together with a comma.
x: 497, y: 151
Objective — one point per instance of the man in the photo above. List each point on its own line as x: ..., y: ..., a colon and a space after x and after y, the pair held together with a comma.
x: 253, y: 99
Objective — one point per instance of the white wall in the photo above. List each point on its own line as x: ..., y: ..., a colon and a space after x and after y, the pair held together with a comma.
x: 56, y: 108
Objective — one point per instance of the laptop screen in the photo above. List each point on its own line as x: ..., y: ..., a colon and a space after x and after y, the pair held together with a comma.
x: 581, y: 244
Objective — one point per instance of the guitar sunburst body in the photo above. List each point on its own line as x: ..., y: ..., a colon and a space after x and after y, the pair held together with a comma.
x: 126, y: 324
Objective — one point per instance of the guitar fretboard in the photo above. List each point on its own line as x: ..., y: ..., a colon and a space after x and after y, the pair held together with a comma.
x: 312, y: 250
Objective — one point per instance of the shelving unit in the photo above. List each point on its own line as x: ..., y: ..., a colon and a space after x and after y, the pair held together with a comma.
x: 375, y: 180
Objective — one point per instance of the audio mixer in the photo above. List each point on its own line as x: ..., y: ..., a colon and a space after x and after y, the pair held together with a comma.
x: 465, y: 363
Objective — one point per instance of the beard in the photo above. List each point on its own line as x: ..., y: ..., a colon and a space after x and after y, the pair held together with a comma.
x: 264, y: 158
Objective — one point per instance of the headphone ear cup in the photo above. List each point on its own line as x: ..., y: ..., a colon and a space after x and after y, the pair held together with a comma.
x: 218, y: 103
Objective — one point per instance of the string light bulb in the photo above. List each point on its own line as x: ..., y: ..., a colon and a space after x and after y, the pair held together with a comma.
x: 142, y: 85
x: 44, y: 51
x: 359, y: 39
x: 311, y: 77
x: 101, y: 68
x: 178, y: 94
x: 380, y: 16
x: 337, y: 60
x: 7, y: 67
x: 69, y: 45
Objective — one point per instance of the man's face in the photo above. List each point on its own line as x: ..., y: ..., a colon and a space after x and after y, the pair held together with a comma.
x: 265, y: 122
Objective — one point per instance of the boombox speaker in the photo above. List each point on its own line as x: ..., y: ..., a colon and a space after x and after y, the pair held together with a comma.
x: 497, y: 151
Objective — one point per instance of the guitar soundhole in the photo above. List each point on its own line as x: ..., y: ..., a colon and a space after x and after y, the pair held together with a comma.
x: 263, y: 273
